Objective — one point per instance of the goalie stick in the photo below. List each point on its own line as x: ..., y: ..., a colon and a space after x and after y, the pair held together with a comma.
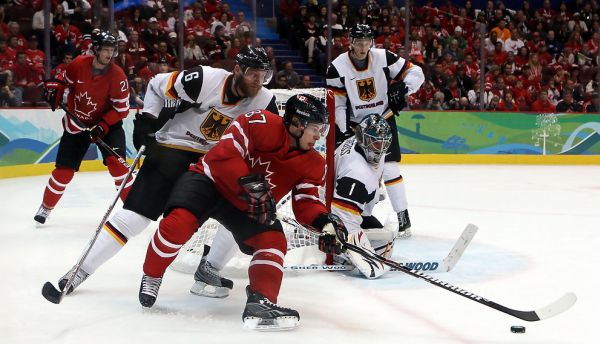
x: 559, y: 306
x: 54, y: 295
x: 446, y: 265
x: 99, y: 141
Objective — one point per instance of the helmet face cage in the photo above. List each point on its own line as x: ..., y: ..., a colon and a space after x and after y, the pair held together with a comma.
x: 104, y: 39
x: 374, y: 136
x: 255, y: 58
x: 361, y: 32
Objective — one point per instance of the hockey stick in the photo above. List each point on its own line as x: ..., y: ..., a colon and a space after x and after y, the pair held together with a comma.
x: 54, y: 295
x: 98, y: 141
x: 557, y: 307
x: 560, y: 305
x: 446, y: 265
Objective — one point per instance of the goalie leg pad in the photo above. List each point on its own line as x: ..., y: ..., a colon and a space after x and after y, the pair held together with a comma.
x: 370, y: 268
x: 382, y: 241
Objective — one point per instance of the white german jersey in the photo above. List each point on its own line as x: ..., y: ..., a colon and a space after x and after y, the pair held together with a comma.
x: 201, y: 106
x: 360, y: 92
x: 356, y: 185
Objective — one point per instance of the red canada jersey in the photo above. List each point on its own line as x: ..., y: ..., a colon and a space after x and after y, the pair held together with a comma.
x: 94, y: 98
x: 258, y: 142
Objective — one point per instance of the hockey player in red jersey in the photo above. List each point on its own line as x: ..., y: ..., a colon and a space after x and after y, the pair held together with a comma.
x: 99, y: 98
x: 260, y: 158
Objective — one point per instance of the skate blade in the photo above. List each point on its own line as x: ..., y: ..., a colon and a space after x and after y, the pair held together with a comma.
x: 266, y: 325
x: 207, y: 290
x: 405, y: 234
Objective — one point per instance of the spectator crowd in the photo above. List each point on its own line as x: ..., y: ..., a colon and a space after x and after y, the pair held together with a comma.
x: 536, y: 59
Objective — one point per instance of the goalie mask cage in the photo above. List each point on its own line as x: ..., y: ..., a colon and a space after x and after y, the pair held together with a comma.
x: 191, y: 253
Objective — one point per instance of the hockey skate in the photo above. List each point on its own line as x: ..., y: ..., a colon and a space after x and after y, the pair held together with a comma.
x: 263, y: 315
x: 404, y: 225
x: 79, y: 278
x: 149, y: 290
x: 209, y: 282
x: 42, y: 215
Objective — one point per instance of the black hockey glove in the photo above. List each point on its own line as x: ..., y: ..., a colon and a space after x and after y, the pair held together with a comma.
x: 260, y: 200
x: 397, y: 93
x: 340, y: 136
x: 144, y: 128
x: 54, y: 90
x: 333, y: 235
x: 98, y: 131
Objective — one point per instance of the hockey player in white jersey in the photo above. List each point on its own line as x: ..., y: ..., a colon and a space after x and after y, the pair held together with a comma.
x: 369, y: 80
x: 198, y: 105
x: 359, y: 164
x: 359, y: 168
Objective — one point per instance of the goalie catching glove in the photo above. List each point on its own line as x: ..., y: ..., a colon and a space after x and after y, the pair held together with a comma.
x: 333, y: 234
x: 54, y: 89
x: 397, y: 92
x: 260, y: 200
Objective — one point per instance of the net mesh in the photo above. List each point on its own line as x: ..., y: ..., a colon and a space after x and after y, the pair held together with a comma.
x: 191, y: 253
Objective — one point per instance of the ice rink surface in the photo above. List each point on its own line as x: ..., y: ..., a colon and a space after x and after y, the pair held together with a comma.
x: 539, y: 237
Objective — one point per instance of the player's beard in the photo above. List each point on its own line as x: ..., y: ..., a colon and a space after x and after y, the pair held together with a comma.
x: 247, y: 88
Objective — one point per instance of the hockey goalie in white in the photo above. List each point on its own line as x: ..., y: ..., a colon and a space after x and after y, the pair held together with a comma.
x: 359, y: 163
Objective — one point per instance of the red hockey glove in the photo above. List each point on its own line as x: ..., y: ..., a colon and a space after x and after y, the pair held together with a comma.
x: 260, y: 200
x: 98, y: 131
x: 333, y: 235
x: 54, y: 90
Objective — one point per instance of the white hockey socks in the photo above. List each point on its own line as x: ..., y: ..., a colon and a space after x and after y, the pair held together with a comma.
x: 124, y: 225
x: 368, y: 267
x: 222, y: 249
x: 394, y: 186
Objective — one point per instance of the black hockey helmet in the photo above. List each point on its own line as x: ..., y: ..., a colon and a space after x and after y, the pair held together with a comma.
x: 374, y: 136
x: 361, y: 31
x: 256, y: 58
x: 103, y: 39
x: 304, y: 109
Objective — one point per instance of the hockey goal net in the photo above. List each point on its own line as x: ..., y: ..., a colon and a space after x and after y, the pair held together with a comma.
x: 191, y: 253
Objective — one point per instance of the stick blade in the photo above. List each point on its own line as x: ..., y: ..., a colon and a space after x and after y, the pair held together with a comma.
x: 50, y: 293
x: 460, y: 246
x: 561, y: 305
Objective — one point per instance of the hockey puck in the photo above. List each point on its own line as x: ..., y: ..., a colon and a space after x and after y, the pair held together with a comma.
x: 517, y: 329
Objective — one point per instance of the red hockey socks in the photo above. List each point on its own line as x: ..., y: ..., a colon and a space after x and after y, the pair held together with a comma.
x: 119, y: 172
x: 60, y: 177
x: 266, y: 268
x: 174, y: 231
